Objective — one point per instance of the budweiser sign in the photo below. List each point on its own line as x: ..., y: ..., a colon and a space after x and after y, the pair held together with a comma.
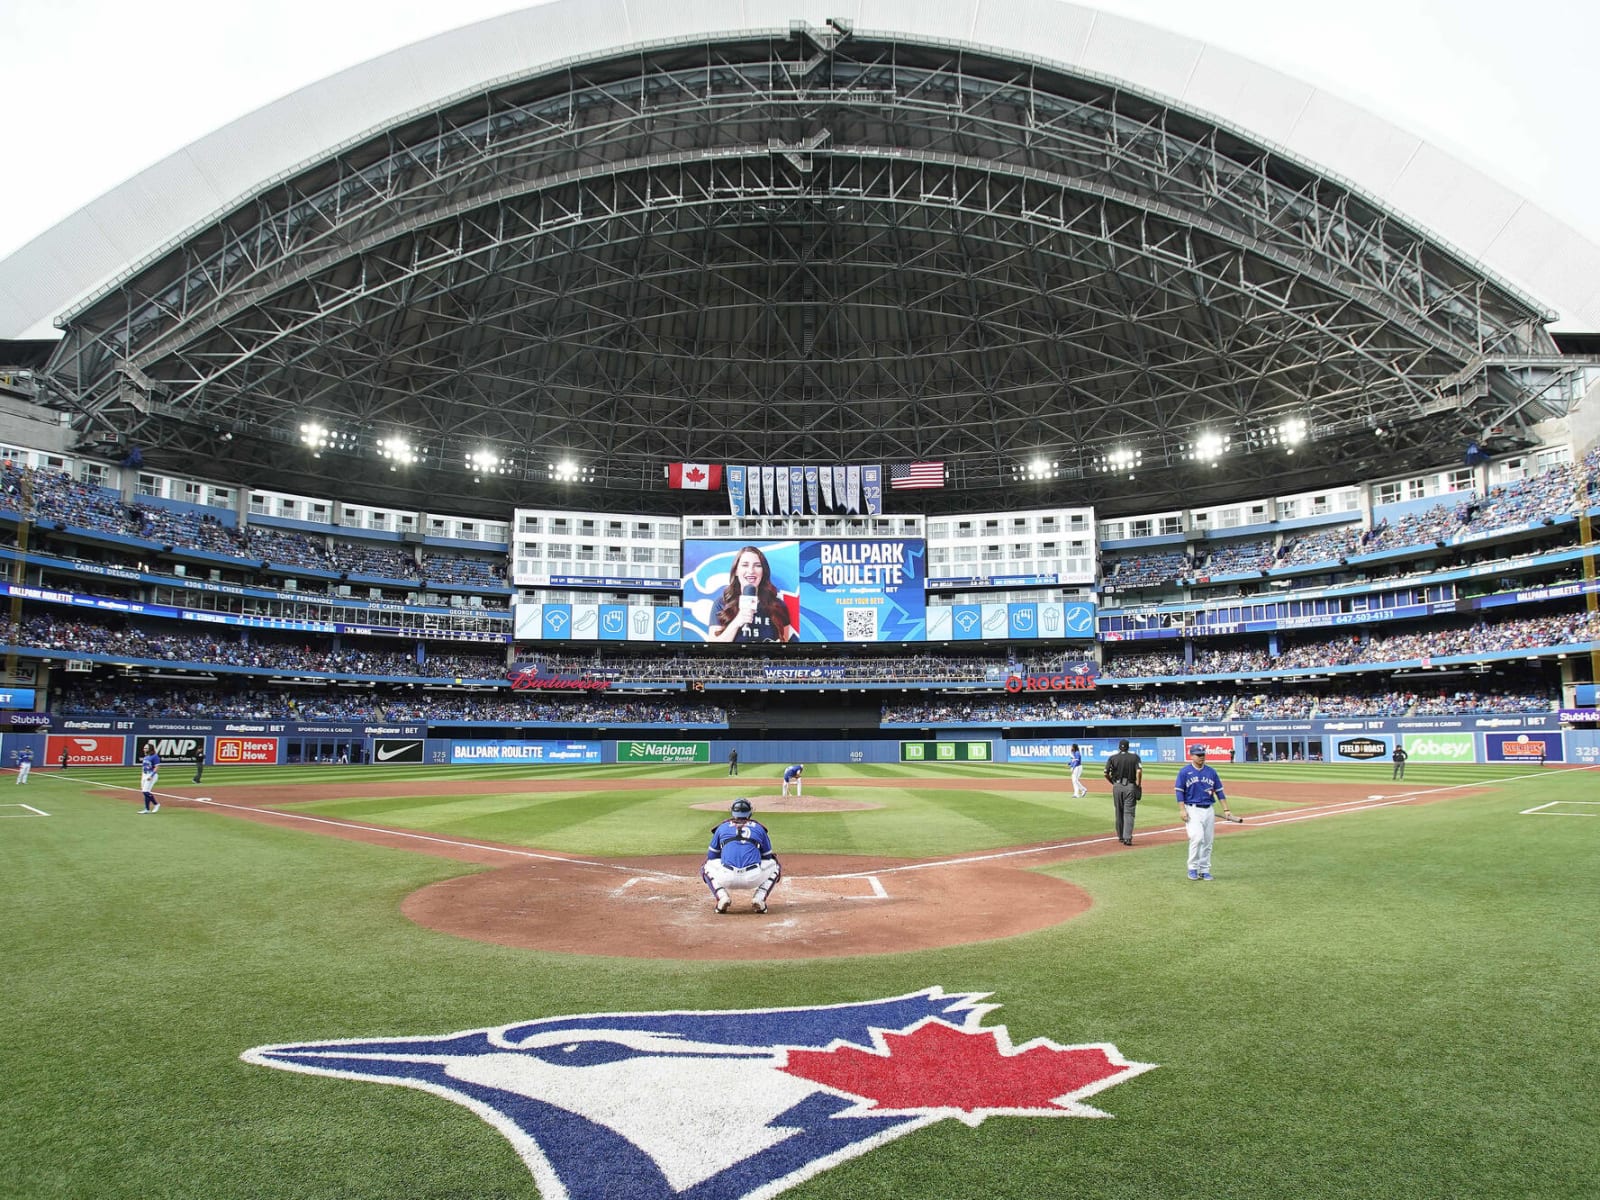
x: 529, y: 679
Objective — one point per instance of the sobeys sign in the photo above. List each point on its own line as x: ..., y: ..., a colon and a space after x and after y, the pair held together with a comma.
x: 1441, y: 747
x: 663, y: 752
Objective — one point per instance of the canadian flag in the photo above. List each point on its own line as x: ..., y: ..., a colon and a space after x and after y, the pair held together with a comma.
x: 700, y: 477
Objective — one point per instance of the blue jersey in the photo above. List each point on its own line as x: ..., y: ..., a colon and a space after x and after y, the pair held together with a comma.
x: 1076, y: 760
x: 793, y: 773
x: 1200, y: 786
x: 150, y: 763
x: 25, y: 756
x: 740, y: 847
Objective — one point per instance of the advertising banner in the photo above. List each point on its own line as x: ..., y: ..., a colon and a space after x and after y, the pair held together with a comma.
x: 1058, y: 751
x: 15, y: 697
x: 189, y: 750
x: 946, y: 751
x: 1361, y: 748
x: 809, y: 590
x: 245, y: 751
x: 1218, y: 749
x: 1530, y: 748
x: 1441, y: 748
x: 87, y: 750
x: 659, y: 751
x: 524, y: 753
x: 397, y: 750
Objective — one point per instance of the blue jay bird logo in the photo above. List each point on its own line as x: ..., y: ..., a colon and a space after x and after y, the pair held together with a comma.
x: 591, y: 1100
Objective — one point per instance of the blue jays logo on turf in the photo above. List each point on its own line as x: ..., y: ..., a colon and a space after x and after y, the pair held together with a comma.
x: 732, y: 1105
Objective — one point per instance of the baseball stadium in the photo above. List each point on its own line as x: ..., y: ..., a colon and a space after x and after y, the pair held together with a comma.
x: 633, y: 545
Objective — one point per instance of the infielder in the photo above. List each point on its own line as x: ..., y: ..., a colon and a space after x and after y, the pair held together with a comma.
x: 24, y: 765
x: 1199, y: 791
x: 1076, y: 762
x: 792, y: 775
x: 741, y: 858
x: 149, y: 776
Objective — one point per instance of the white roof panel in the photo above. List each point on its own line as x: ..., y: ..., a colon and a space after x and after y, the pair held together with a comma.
x: 77, y: 258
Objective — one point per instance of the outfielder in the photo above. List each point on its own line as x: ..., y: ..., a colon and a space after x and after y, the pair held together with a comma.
x: 741, y: 858
x: 792, y: 775
x: 24, y: 765
x: 1076, y: 762
x: 1199, y: 791
x: 149, y: 776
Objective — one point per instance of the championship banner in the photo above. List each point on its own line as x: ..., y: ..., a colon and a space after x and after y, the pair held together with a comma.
x: 811, y: 489
x: 872, y: 489
x: 946, y: 752
x: 838, y: 487
x: 663, y: 752
x: 736, y: 500
x: 797, y: 489
x: 852, y: 499
x: 769, y: 488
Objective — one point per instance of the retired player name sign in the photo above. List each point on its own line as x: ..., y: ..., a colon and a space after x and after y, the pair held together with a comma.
x: 585, y: 1099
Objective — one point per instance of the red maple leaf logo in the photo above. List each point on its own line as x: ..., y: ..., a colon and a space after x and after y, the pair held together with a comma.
x: 971, y: 1073
x: 694, y: 475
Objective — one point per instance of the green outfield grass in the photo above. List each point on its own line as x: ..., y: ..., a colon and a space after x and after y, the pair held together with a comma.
x: 1394, y: 1003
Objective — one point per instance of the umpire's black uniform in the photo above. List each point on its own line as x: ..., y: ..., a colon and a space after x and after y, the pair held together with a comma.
x: 1125, y: 773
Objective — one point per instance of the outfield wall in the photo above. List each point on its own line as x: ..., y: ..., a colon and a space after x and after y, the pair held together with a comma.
x: 1476, y: 739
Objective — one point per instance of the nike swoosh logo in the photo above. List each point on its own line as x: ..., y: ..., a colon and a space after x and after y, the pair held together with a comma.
x: 386, y: 754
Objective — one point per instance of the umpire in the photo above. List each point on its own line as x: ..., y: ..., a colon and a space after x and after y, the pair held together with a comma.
x: 1125, y: 773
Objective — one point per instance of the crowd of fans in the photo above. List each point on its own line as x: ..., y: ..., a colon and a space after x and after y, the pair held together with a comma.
x: 253, y: 650
x: 55, y: 497
x: 167, y: 702
x: 1437, y: 641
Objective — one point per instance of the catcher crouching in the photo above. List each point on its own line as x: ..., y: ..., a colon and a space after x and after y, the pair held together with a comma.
x: 741, y: 859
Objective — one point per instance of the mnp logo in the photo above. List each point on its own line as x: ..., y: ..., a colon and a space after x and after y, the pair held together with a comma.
x: 592, y: 1099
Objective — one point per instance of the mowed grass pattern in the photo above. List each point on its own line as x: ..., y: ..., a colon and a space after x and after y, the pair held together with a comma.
x: 1390, y: 1003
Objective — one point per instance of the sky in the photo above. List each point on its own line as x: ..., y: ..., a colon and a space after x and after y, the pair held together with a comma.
x: 97, y: 90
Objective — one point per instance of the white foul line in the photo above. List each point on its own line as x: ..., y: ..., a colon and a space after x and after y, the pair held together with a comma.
x: 1321, y: 810
x: 873, y: 882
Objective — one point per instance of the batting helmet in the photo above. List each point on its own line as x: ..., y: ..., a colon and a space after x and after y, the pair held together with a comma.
x: 742, y: 807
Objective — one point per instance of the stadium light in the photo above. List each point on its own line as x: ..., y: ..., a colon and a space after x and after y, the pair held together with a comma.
x: 1038, y: 467
x: 318, y: 437
x: 486, y: 462
x: 1209, y: 447
x: 399, y: 452
x: 1122, y: 462
x: 568, y: 471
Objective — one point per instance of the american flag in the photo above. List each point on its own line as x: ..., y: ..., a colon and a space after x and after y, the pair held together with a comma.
x: 916, y: 475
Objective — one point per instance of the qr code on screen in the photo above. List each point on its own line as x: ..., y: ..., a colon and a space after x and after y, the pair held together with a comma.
x: 860, y: 624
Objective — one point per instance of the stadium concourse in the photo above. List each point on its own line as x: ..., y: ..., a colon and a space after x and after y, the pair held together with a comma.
x: 804, y: 388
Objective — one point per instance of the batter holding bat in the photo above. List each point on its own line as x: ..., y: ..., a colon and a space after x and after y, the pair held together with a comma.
x: 1199, y: 790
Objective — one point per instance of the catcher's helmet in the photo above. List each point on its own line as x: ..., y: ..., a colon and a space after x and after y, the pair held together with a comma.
x: 742, y: 807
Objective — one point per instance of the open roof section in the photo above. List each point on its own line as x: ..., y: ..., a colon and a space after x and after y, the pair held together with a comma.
x: 811, y: 243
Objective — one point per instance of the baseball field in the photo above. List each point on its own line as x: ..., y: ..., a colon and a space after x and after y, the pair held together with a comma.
x: 1387, y: 991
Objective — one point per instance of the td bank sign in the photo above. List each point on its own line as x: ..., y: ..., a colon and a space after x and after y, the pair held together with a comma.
x: 1441, y: 748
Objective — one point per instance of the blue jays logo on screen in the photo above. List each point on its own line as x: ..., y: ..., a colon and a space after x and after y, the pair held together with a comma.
x: 590, y: 1101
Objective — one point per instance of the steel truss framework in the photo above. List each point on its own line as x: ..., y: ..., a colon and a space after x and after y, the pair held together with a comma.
x: 812, y: 249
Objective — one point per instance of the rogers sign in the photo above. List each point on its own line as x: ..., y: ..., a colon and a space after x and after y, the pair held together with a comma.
x: 1049, y: 683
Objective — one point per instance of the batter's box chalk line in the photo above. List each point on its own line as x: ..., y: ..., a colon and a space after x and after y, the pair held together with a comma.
x: 32, y: 811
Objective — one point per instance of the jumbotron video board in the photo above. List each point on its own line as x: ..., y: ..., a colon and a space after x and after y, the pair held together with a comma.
x: 805, y: 590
